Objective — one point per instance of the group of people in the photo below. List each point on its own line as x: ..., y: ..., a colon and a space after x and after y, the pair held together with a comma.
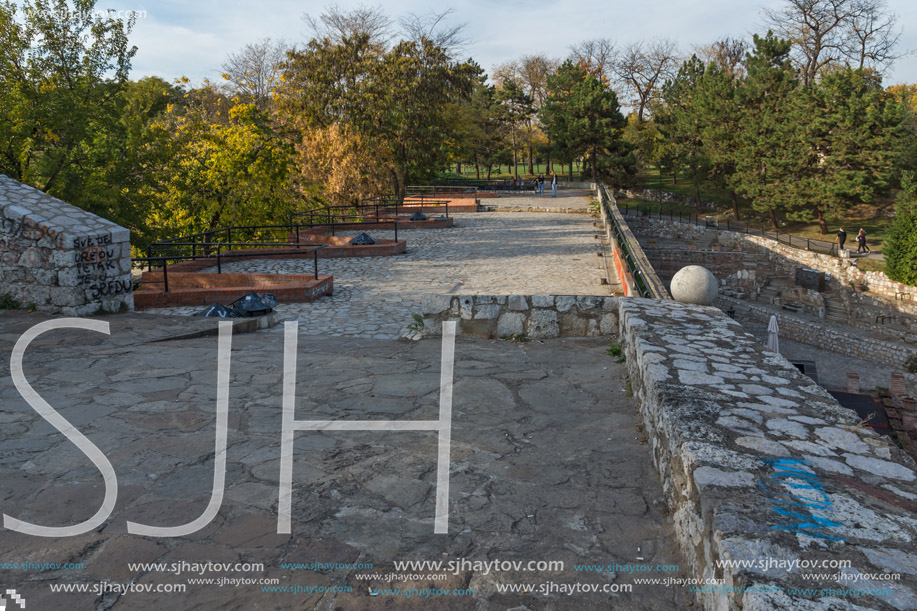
x: 861, y: 240
x: 538, y: 184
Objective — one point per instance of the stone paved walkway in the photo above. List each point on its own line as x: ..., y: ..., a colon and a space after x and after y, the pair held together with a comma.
x: 570, y: 199
x: 485, y: 253
x: 548, y: 462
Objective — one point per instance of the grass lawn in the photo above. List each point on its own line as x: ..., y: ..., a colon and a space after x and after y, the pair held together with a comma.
x: 871, y: 265
x: 499, y: 172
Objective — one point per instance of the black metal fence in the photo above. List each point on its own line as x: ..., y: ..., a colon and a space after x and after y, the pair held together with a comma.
x: 712, y: 222
x: 219, y: 256
x: 467, y: 185
x: 646, y: 282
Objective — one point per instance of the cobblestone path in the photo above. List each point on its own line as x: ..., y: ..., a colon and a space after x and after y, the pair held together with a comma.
x: 485, y: 253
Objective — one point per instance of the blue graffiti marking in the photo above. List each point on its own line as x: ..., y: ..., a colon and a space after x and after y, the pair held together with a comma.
x: 800, y: 520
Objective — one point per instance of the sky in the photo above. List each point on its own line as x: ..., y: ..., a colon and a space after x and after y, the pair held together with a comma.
x: 176, y: 38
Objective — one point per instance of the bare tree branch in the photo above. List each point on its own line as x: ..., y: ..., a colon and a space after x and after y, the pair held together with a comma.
x: 727, y: 53
x: 597, y: 56
x: 433, y: 27
x: 828, y: 33
x: 254, y: 70
x: 336, y: 24
x: 642, y: 69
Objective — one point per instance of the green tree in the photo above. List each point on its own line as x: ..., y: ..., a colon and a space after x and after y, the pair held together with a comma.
x: 399, y: 97
x: 63, y: 67
x: 517, y: 109
x: 478, y: 127
x: 901, y: 243
x: 763, y: 97
x: 581, y: 114
x: 844, y: 133
x: 681, y: 123
x: 239, y: 171
x: 721, y: 126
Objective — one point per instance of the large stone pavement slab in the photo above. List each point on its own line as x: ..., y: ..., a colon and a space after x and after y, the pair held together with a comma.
x: 548, y: 463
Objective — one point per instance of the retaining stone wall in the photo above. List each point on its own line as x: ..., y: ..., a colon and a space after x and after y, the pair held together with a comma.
x: 760, y: 464
x: 784, y: 257
x: 767, y: 260
x: 61, y: 258
x: 535, y: 316
x: 827, y: 337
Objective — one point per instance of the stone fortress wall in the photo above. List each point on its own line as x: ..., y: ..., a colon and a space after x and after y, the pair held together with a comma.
x: 534, y: 316
x: 60, y: 258
x: 761, y: 465
x: 745, y: 264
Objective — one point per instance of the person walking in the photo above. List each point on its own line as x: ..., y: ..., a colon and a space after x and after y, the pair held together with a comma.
x: 553, y: 184
x: 841, y: 238
x: 861, y: 241
x: 541, y: 184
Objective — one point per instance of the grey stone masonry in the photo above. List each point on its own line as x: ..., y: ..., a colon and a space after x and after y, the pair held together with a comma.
x: 534, y: 316
x: 61, y: 258
x: 764, y: 469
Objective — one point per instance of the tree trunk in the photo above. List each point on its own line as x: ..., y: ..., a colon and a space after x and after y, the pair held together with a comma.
x: 697, y: 197
x: 488, y: 171
x: 571, y: 171
x: 822, y: 223
x: 515, y: 161
x: 458, y: 168
x: 773, y: 219
x: 531, y: 166
x: 735, y: 205
x: 396, y: 183
x: 477, y: 167
x: 594, y: 160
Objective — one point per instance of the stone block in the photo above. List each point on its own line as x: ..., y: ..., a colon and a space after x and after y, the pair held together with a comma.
x: 484, y: 299
x: 609, y: 324
x: 542, y: 301
x: 564, y: 302
x: 432, y: 327
x: 487, y: 312
x: 67, y: 296
x: 588, y: 302
x: 435, y: 304
x: 572, y: 325
x: 511, y: 323
x: 466, y: 307
x: 542, y: 324
x: 609, y: 304
x: 478, y: 328
x: 517, y: 303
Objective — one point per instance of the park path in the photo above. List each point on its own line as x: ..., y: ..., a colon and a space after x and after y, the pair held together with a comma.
x: 484, y: 253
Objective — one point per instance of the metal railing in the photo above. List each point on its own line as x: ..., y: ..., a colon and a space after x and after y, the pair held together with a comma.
x: 371, y: 210
x: 218, y: 257
x: 712, y: 222
x: 645, y: 280
x: 412, y: 190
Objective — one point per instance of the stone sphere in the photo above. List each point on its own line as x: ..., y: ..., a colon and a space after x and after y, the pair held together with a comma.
x: 694, y: 284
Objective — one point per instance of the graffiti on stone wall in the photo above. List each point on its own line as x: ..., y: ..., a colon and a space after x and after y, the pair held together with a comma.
x: 798, y: 497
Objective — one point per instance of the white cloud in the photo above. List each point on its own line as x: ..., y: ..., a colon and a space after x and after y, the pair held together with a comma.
x: 193, y: 39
